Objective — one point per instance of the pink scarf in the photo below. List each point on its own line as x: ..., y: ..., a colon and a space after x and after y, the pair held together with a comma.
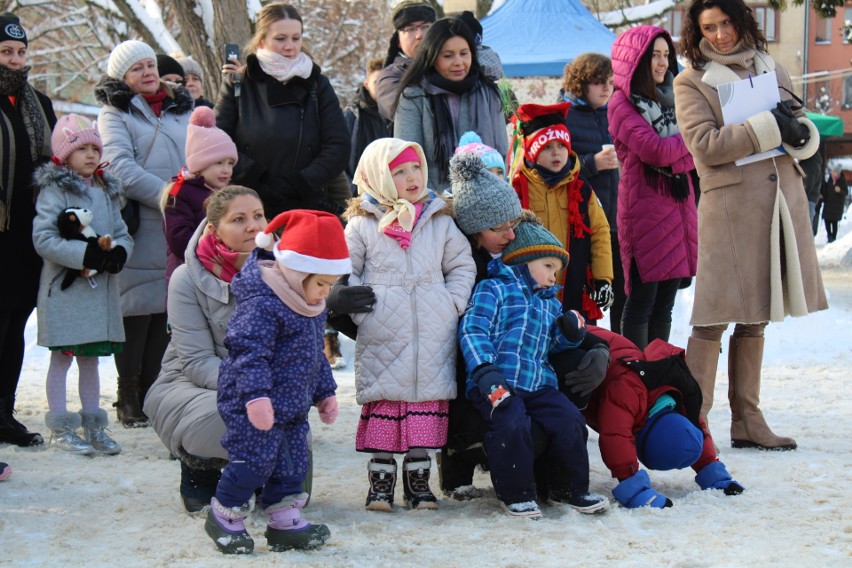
x: 218, y: 259
x: 287, y: 285
x: 396, y: 231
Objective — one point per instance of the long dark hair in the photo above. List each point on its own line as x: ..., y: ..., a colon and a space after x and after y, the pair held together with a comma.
x: 429, y: 49
x: 741, y: 16
x: 642, y: 82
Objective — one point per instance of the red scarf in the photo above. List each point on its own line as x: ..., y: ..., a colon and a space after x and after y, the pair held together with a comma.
x: 155, y: 101
x: 218, y: 259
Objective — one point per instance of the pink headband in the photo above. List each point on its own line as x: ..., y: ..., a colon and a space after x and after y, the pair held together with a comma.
x: 407, y: 155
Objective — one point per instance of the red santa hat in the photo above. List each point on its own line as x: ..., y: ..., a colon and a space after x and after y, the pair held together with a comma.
x: 312, y: 242
x: 542, y: 124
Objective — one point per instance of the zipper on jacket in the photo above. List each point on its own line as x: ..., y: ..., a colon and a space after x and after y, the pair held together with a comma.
x: 416, y: 337
x: 299, y: 143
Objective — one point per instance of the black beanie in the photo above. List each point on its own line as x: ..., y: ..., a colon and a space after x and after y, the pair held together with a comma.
x: 167, y: 65
x: 473, y: 24
x: 10, y: 28
x: 410, y: 11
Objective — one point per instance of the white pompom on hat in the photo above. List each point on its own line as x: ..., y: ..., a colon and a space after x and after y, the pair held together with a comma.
x: 125, y: 55
x: 312, y: 242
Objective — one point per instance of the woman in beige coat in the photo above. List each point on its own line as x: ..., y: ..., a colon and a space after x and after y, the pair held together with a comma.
x: 756, y: 257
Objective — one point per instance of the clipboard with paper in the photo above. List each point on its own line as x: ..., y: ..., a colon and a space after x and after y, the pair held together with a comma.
x: 745, y: 98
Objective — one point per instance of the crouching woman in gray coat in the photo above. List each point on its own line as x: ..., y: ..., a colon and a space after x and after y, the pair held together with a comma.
x: 181, y: 404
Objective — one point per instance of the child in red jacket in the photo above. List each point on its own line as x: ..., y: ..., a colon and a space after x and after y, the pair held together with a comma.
x: 646, y: 411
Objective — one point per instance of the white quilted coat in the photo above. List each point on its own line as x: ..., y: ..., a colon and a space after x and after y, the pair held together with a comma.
x: 406, y: 347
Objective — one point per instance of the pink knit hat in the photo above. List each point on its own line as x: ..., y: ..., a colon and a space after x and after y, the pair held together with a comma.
x: 206, y: 144
x: 71, y: 132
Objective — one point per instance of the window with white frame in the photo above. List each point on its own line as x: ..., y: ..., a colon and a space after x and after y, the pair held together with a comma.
x: 847, y: 92
x: 847, y: 26
x: 766, y: 21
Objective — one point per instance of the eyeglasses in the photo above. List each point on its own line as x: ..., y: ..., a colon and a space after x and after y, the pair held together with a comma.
x: 415, y: 29
x: 505, y: 227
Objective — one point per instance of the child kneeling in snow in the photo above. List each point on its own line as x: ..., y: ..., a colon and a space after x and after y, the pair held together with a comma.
x: 274, y: 372
x: 512, y: 323
x: 647, y: 410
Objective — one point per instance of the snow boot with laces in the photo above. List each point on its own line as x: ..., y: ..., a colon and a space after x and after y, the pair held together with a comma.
x: 415, y: 483
x: 63, y: 427
x: 382, y: 475
x: 95, y: 432
x: 226, y: 526
x: 287, y: 530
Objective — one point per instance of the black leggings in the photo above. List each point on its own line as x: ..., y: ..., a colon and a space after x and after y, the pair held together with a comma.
x: 146, y: 338
x: 12, y: 326
x: 649, y: 302
x: 831, y: 229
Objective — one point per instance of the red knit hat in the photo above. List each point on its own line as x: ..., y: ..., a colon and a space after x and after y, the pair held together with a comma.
x: 206, y: 144
x: 71, y: 132
x: 542, y: 124
x: 312, y: 242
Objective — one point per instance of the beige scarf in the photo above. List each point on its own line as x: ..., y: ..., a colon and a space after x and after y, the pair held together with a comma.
x: 373, y: 177
x: 288, y: 286
x: 739, y: 55
x: 283, y: 68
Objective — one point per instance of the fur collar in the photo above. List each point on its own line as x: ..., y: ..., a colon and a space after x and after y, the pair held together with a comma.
x: 116, y: 93
x: 50, y: 174
x: 715, y: 73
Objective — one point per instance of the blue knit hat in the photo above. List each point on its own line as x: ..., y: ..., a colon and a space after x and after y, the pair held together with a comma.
x: 533, y: 241
x: 471, y: 142
x: 669, y: 441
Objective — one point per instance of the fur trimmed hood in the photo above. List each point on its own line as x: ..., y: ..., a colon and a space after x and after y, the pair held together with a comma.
x: 50, y: 174
x: 116, y: 93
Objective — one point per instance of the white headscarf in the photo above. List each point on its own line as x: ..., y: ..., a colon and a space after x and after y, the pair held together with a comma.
x: 373, y: 177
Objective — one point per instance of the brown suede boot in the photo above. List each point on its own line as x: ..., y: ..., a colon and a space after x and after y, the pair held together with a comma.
x: 702, y: 358
x: 127, y: 407
x: 748, y: 427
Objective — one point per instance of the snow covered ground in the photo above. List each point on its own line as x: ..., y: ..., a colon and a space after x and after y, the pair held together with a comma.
x: 62, y: 510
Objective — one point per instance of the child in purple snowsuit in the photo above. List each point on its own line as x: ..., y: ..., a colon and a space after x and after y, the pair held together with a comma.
x: 274, y: 372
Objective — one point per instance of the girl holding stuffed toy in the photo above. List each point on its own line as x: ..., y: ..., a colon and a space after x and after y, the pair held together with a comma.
x: 74, y: 187
x: 210, y: 159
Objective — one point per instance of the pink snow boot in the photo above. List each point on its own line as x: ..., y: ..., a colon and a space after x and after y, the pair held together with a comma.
x: 287, y: 530
x: 226, y: 526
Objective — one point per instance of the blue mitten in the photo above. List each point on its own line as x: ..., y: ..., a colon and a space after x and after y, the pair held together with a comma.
x: 715, y: 476
x: 636, y: 492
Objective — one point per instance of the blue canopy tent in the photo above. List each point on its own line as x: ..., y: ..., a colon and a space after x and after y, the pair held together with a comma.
x: 537, y: 38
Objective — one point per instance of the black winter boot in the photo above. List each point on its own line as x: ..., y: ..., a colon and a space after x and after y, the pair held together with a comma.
x: 382, y: 476
x: 128, y: 407
x: 12, y: 431
x: 415, y: 483
x: 197, y: 487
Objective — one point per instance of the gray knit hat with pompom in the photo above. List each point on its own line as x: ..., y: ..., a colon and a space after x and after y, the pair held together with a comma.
x: 481, y: 200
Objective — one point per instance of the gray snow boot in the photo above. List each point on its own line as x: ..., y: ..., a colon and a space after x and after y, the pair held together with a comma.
x: 287, y: 530
x: 63, y: 427
x: 226, y: 526
x: 95, y: 432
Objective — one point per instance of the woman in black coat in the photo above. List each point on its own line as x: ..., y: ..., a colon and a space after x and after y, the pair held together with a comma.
x: 834, y: 192
x: 285, y: 119
x: 26, y: 122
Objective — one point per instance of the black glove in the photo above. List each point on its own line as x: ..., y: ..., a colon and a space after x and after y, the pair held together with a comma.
x: 590, y: 372
x: 793, y: 132
x: 573, y: 325
x: 115, y: 260
x: 346, y: 299
x: 94, y: 258
x: 603, y: 294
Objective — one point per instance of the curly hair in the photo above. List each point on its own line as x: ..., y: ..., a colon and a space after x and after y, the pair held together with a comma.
x: 742, y: 17
x: 586, y: 69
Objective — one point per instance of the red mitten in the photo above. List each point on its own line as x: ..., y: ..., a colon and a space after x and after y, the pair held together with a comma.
x: 260, y: 413
x: 328, y: 410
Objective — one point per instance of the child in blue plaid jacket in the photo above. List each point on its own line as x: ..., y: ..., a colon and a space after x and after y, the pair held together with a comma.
x: 513, y: 322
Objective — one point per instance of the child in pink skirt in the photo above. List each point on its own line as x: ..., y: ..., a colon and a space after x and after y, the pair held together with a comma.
x: 404, y: 243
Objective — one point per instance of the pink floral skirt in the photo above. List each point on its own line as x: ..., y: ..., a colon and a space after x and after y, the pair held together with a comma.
x: 396, y: 426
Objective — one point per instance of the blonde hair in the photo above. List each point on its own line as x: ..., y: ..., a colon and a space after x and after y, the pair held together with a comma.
x: 218, y: 202
x: 267, y: 16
